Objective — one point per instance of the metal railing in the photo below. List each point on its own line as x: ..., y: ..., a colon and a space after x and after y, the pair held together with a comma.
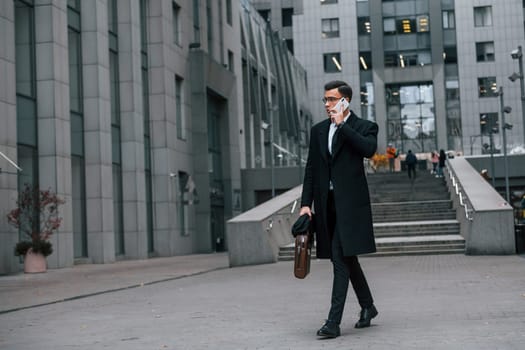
x: 457, y: 189
x: 282, y: 213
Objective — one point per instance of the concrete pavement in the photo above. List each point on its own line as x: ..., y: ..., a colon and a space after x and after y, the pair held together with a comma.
x: 196, y: 302
x: 26, y: 290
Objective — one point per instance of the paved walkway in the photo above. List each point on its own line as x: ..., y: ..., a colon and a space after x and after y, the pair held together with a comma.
x: 25, y: 290
x: 197, y: 302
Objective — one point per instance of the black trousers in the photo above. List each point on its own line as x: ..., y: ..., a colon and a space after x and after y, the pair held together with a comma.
x: 411, y: 170
x: 346, y: 268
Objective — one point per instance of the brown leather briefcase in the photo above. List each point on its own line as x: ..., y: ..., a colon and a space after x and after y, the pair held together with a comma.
x: 303, y: 252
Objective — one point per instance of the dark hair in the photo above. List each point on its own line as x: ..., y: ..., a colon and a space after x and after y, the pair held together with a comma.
x: 343, y: 88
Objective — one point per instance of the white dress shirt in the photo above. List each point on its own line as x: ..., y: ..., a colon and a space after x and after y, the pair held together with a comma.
x: 331, y: 132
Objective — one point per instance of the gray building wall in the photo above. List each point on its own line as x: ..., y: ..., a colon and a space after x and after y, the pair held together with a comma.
x: 8, y: 175
x: 507, y: 32
x: 309, y: 47
x: 197, y: 144
x: 170, y: 154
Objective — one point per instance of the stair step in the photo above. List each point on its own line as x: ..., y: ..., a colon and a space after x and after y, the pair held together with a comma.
x: 417, y: 252
x: 415, y: 217
x: 444, y: 203
x: 419, y: 240
x: 437, y: 244
x: 410, y: 218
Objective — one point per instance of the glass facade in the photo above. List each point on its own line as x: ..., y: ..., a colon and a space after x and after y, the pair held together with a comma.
x: 406, y: 33
x: 118, y: 219
x: 410, y: 117
x: 78, y: 181
x: 450, y: 60
x: 146, y: 114
x: 26, y: 116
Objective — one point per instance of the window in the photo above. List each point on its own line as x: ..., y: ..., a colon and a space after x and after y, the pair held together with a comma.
x: 450, y: 55
x: 330, y: 27
x: 148, y: 189
x: 487, y: 87
x: 229, y: 12
x: 363, y: 26
x: 452, y: 90
x: 365, y: 60
x: 488, y: 123
x: 266, y: 14
x: 389, y: 26
x: 78, y: 184
x: 328, y: 2
x: 185, y: 183
x: 422, y: 23
x: 287, y: 14
x: 289, y: 45
x: 181, y: 125
x: 406, y: 25
x: 449, y: 20
x: 176, y: 24
x: 230, y: 61
x: 26, y: 115
x: 196, y: 23
x: 403, y: 59
x: 332, y: 62
x: 75, y: 67
x: 485, y: 51
x: 118, y: 207
x: 483, y: 16
x: 24, y: 50
x: 210, y: 23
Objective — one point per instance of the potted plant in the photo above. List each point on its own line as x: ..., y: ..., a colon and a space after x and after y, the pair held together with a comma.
x: 36, y: 217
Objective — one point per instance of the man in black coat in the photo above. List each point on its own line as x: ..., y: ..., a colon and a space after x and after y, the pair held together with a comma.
x: 335, y: 182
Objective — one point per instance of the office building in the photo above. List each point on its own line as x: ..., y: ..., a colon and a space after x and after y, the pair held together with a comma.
x: 141, y: 115
x: 426, y: 71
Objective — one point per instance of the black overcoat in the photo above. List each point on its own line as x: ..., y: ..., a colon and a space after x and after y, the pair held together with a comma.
x: 357, y: 139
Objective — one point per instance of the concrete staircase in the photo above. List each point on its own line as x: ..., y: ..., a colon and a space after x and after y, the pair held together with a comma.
x: 410, y: 218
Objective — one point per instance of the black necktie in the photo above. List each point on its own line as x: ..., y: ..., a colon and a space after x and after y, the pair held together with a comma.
x: 334, y: 139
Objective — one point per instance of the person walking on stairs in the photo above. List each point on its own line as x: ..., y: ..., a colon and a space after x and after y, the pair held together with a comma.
x: 411, y: 161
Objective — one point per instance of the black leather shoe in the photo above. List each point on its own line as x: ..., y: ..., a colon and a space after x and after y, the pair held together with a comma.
x: 329, y: 330
x: 366, y: 316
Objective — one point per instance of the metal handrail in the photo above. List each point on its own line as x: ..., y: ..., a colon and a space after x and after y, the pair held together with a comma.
x: 457, y: 189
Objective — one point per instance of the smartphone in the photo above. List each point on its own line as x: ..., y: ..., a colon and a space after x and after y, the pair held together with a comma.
x: 341, y: 105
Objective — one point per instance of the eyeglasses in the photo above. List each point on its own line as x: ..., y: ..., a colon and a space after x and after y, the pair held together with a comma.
x: 330, y: 99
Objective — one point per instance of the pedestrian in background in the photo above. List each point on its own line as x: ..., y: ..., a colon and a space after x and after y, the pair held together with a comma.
x: 411, y: 161
x: 435, y: 160
x: 335, y: 182
x: 391, y: 154
x: 441, y: 162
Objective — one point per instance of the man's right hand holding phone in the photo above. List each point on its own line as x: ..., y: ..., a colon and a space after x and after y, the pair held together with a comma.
x: 337, y: 113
